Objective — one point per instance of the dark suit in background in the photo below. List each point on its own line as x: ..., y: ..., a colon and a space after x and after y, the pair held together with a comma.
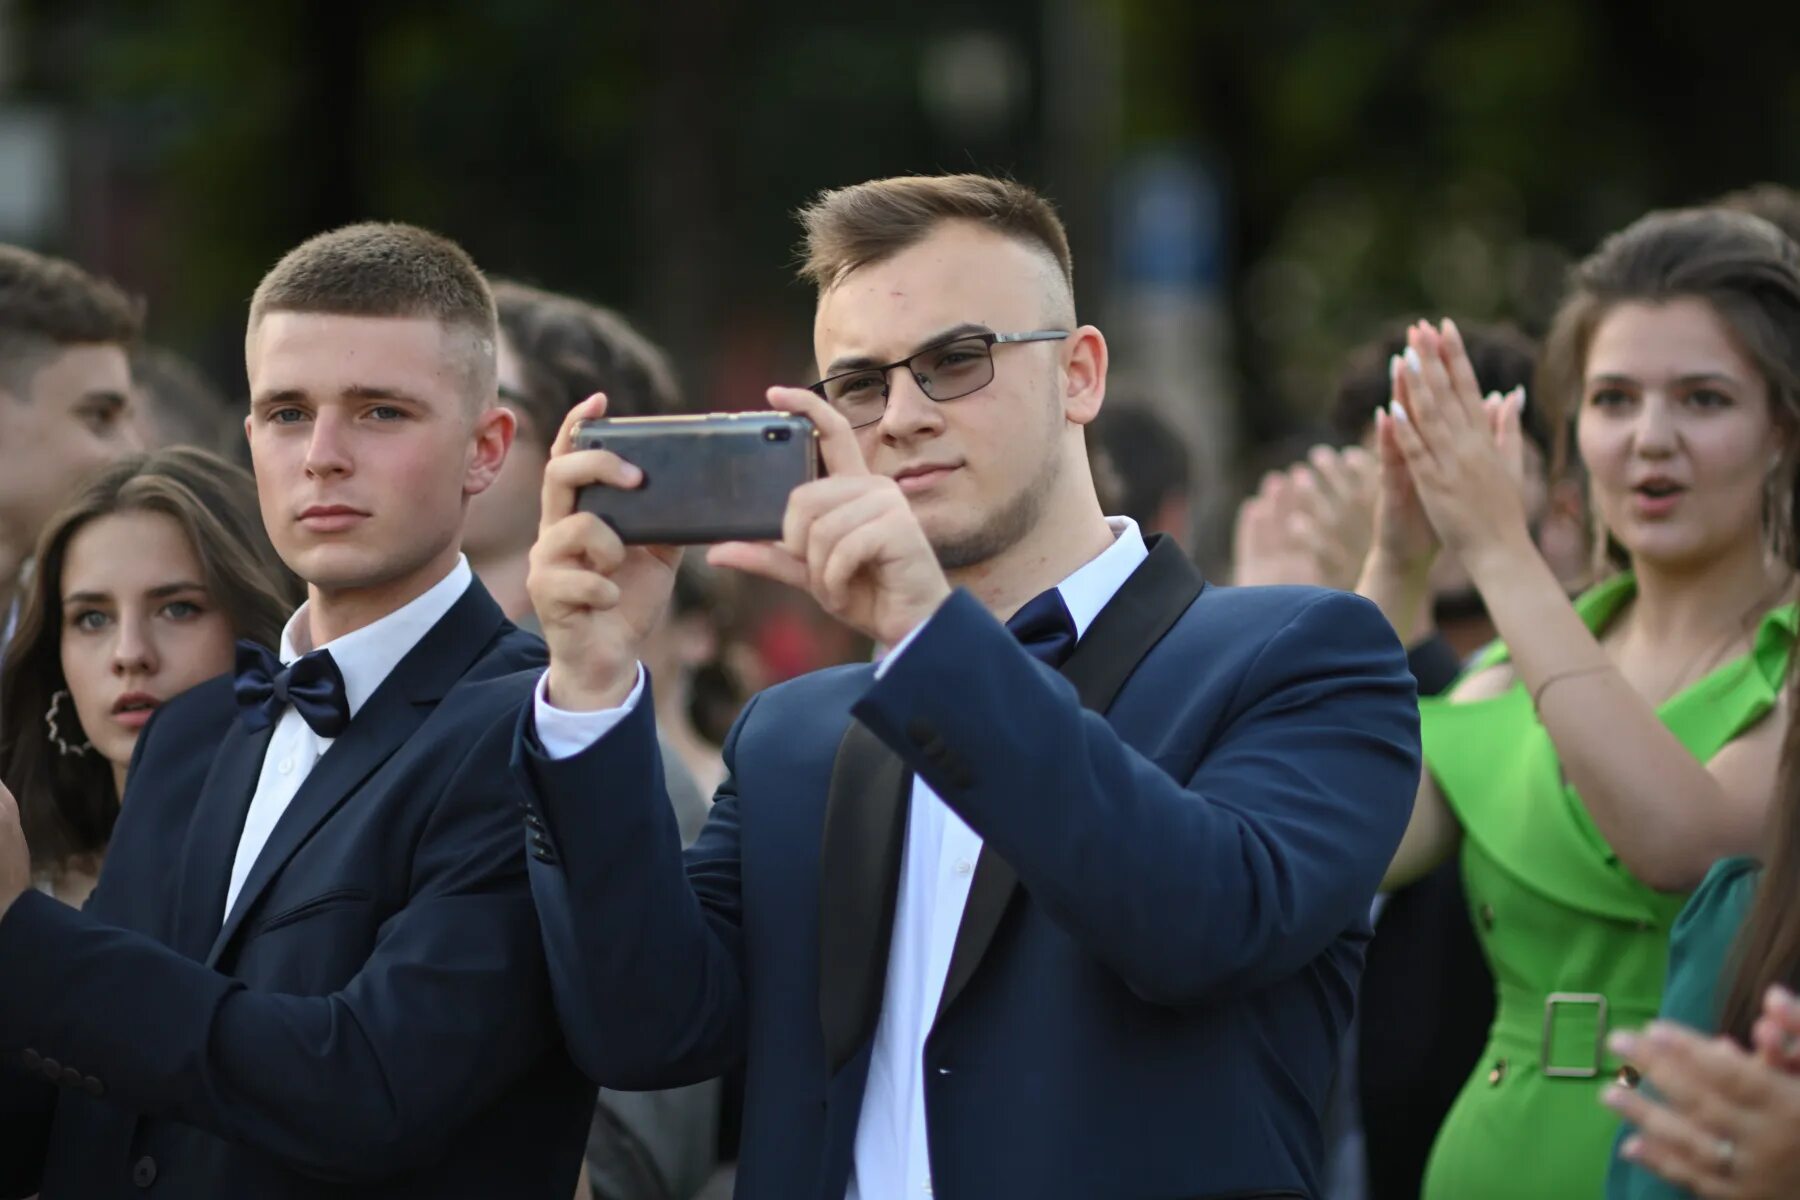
x: 373, y: 1018
x: 1161, y: 943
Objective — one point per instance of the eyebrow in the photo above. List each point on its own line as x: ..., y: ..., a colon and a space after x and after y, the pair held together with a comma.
x: 356, y: 391
x: 1685, y: 380
x: 160, y: 592
x: 107, y: 396
x: 859, y: 362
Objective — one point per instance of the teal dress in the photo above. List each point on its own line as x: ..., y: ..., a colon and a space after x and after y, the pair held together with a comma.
x: 1699, y: 955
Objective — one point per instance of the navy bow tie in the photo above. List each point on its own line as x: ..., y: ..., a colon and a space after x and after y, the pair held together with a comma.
x: 312, y: 684
x: 1045, y: 628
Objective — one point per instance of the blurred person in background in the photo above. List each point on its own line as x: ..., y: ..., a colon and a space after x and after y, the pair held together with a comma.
x: 143, y: 584
x: 1774, y: 203
x: 1426, y: 997
x: 554, y: 352
x: 65, y: 397
x: 175, y: 404
x: 1595, y: 764
x: 1146, y: 472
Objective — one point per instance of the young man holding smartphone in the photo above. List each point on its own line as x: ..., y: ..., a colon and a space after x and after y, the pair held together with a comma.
x: 312, y: 967
x: 979, y: 925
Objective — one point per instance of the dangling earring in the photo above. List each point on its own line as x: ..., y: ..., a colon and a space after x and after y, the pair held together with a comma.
x: 1778, y: 514
x: 56, y: 737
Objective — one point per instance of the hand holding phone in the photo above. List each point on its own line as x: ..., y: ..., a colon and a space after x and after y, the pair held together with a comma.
x: 596, y: 598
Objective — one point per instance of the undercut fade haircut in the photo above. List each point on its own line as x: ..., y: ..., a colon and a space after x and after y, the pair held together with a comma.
x: 47, y: 304
x: 852, y: 227
x: 385, y: 269
x: 569, y: 349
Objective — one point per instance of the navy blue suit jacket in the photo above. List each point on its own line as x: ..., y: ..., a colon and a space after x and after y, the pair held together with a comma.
x: 1161, y: 943
x: 373, y: 1019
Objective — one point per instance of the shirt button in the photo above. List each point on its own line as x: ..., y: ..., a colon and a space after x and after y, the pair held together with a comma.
x: 286, y: 766
x: 143, y: 1172
x: 964, y: 866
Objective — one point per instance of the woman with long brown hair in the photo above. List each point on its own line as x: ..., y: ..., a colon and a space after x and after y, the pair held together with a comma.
x: 141, y: 587
x: 1593, y: 766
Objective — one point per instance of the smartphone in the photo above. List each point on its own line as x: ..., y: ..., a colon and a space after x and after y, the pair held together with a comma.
x: 715, y: 477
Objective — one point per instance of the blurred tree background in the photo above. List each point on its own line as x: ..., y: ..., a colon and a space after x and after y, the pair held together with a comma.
x: 1252, y: 187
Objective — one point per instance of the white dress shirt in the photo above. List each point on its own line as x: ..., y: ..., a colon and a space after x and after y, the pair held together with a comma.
x: 937, y: 865
x: 365, y: 658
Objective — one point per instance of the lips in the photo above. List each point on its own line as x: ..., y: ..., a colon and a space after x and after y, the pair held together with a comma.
x: 331, y: 518
x: 133, y: 709
x: 923, y: 476
x: 1656, y: 496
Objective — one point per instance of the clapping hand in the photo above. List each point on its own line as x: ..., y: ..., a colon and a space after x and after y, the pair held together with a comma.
x: 1724, y: 1126
x: 1463, y: 456
x: 1310, y: 524
x: 15, y: 856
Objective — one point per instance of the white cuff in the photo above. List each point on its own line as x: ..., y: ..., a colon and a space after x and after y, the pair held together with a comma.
x: 564, y: 734
x: 900, y: 647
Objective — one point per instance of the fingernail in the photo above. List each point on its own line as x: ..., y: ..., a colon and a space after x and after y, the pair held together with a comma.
x: 1451, y: 329
x: 1396, y: 410
x: 1394, y: 369
x: 1379, y: 409
x: 1623, y: 1044
x: 1523, y: 396
x: 1633, y: 1147
x: 1412, y: 360
x: 1613, y: 1096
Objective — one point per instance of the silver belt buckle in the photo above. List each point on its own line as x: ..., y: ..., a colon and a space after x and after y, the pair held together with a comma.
x: 1550, y: 1003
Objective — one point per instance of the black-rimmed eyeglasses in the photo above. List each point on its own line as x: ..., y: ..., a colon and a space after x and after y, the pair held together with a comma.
x: 946, y: 371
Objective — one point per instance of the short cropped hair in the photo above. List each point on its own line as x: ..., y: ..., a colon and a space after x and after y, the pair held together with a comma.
x: 384, y: 269
x: 569, y: 349
x: 852, y: 227
x: 47, y: 303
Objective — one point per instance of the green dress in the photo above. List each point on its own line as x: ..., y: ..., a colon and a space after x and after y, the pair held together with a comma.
x: 1577, y: 945
x: 1698, y: 952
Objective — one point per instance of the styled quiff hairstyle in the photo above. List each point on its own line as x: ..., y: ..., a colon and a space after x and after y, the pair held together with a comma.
x: 852, y: 227
x: 569, y: 349
x: 47, y: 304
x: 383, y: 269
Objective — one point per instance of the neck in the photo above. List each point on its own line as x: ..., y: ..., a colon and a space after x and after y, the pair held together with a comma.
x: 1674, y: 606
x: 503, y: 574
x: 118, y: 770
x: 1071, y: 532
x: 331, y: 613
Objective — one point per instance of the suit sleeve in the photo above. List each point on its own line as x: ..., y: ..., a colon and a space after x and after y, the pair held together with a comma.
x: 1188, y: 889
x: 645, y: 947
x: 353, y: 1086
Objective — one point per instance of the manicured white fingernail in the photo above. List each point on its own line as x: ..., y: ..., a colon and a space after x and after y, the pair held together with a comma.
x: 1396, y: 410
x: 1412, y: 359
x: 1394, y: 368
x: 1379, y: 409
x: 1523, y: 396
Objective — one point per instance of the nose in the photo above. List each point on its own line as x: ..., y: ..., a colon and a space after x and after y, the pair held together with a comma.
x: 910, y: 413
x: 1656, y: 435
x: 134, y: 651
x: 327, y: 450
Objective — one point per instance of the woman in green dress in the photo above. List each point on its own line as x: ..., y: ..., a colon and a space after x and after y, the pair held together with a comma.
x: 1594, y: 764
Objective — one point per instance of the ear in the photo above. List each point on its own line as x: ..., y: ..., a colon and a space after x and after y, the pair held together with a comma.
x: 491, y: 438
x: 1084, y: 375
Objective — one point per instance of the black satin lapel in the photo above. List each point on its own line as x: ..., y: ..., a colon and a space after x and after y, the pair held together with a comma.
x: 859, y: 883
x: 385, y: 722
x: 1144, y: 609
x: 212, y: 838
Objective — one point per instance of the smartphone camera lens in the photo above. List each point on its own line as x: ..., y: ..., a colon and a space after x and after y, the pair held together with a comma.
x: 777, y: 433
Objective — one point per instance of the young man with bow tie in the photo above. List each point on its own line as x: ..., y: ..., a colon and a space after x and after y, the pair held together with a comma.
x: 1073, y: 908
x: 311, y: 967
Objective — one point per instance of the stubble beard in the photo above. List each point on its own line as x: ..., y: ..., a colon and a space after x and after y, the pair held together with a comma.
x: 1005, y: 529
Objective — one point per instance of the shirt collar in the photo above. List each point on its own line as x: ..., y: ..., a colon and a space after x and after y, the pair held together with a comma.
x: 1095, y: 583
x: 369, y: 655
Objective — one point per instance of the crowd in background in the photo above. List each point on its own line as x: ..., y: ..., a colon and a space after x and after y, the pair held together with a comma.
x: 1607, y: 513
